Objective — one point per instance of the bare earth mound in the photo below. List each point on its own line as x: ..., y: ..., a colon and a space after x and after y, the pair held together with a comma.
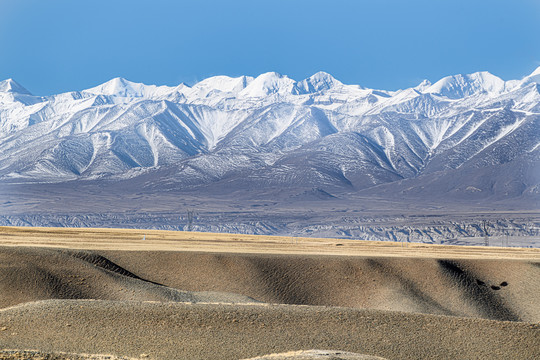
x: 30, y: 274
x: 491, y: 289
x: 229, y: 331
x: 175, y: 302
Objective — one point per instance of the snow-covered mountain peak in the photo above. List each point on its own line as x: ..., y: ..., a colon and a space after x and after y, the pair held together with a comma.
x: 223, y: 83
x: 534, y: 77
x: 460, y: 86
x: 10, y: 85
x: 124, y: 88
x: 116, y: 86
x: 322, y: 76
x: 269, y: 83
x: 406, y: 94
x: 317, y: 82
x: 244, y: 133
x: 535, y: 72
x: 425, y: 84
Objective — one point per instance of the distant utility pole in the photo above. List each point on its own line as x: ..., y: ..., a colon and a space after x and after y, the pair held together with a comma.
x: 190, y: 220
x: 404, y: 242
x: 485, y: 225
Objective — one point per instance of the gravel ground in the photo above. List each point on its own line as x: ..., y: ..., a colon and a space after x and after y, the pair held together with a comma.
x: 234, y: 331
x: 38, y: 355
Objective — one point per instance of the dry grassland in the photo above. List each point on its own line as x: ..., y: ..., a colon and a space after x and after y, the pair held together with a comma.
x: 160, y: 240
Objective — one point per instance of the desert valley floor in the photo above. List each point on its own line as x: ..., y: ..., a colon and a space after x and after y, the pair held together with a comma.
x: 148, y: 294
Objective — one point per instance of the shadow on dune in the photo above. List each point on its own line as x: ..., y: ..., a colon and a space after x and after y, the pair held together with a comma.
x: 489, y: 303
x: 103, y: 263
x: 410, y: 289
x: 429, y: 286
x: 32, y: 274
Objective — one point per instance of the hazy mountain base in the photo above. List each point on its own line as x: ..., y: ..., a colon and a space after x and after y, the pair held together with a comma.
x: 288, y: 212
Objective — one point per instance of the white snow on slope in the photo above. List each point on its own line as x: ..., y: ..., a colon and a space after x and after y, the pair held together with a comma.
x: 10, y: 85
x: 124, y: 88
x: 267, y: 84
x: 116, y: 127
x: 459, y: 86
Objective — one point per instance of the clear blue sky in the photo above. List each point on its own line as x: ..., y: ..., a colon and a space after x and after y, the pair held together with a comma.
x: 51, y: 46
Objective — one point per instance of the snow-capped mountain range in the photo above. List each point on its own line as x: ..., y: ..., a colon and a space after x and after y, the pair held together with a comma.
x: 470, y: 135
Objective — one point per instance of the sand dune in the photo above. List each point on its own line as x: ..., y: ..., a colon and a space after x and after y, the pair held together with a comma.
x: 435, y: 286
x: 30, y: 274
x: 469, y: 288
x: 228, y: 331
x: 102, y: 298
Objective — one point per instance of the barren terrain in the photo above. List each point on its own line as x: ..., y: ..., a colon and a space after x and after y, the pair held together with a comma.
x: 168, y: 295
